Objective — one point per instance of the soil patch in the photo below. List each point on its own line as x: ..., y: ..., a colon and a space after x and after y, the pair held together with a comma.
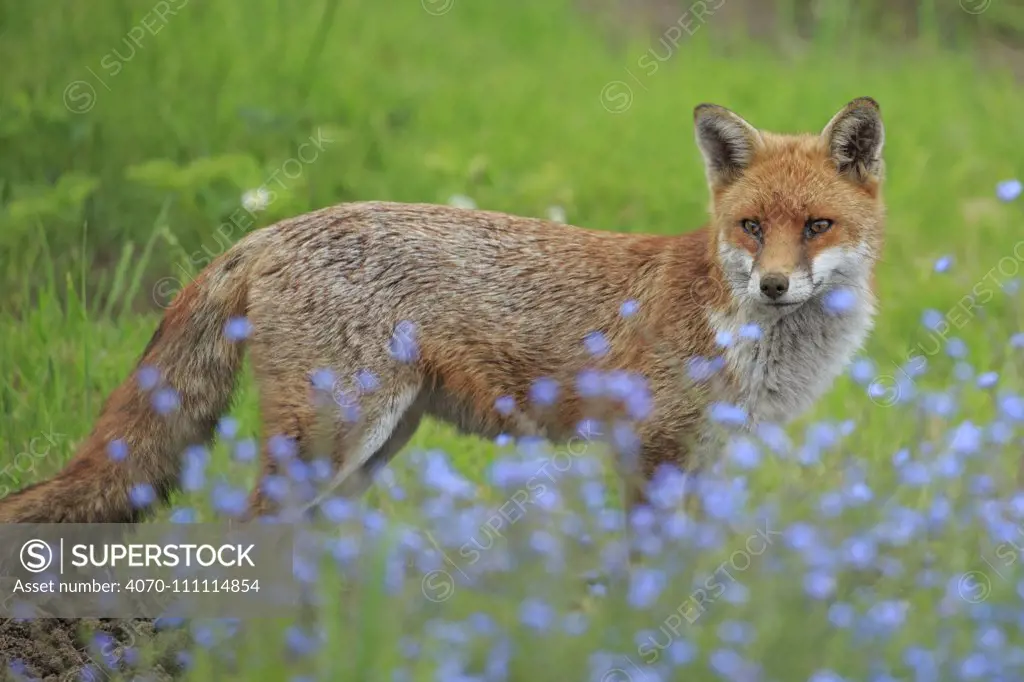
x: 66, y: 650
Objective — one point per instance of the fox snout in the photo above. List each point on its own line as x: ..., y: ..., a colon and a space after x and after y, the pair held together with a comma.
x: 774, y: 285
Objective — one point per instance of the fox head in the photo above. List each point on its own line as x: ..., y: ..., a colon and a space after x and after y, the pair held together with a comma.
x: 794, y: 216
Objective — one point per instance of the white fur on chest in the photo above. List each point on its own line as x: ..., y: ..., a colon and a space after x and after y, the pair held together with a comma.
x: 796, y: 358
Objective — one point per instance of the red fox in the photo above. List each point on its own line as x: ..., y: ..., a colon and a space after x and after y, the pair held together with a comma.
x: 506, y: 325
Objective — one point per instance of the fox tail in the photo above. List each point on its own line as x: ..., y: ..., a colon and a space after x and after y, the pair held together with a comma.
x: 182, y: 384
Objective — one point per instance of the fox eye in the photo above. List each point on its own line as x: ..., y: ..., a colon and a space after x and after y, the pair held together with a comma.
x: 816, y: 226
x: 751, y: 227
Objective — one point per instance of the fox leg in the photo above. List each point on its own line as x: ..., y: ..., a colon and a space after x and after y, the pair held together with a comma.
x: 387, y: 420
x: 361, y: 479
x: 289, y: 421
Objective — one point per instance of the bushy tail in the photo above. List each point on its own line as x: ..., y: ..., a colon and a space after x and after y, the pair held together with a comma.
x: 133, y: 455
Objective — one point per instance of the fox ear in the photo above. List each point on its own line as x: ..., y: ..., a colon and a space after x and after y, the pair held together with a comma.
x: 854, y: 139
x: 726, y: 142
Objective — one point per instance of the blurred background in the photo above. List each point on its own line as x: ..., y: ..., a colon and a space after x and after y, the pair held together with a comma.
x: 139, y: 139
x: 131, y: 130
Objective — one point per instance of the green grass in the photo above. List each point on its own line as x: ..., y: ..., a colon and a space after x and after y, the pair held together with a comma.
x: 500, y: 102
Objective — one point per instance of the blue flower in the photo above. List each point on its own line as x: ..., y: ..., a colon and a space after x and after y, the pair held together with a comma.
x: 629, y: 308
x: 667, y: 487
x: 625, y: 440
x: 736, y: 593
x: 1017, y: 340
x: 735, y: 632
x: 888, y: 615
x: 858, y: 493
x: 227, y: 428
x: 142, y: 495
x: 245, y: 450
x: 819, y: 584
x: 367, y: 381
x: 645, y: 586
x: 822, y: 435
x: 300, y: 642
x: 702, y: 369
x: 728, y: 414
x: 859, y: 552
x: 915, y: 474
x: 183, y: 515
x: 165, y: 401
x: 801, y: 536
x: 831, y: 504
x: 403, y: 345
x: 724, y: 338
x: 841, y: 614
x: 915, y: 366
x: 974, y: 667
x: 730, y: 665
x: 237, y: 329
x: 117, y: 450
x: 589, y: 429
x: 981, y: 485
x: 932, y: 319
x: 840, y: 301
x: 991, y: 638
x: 943, y: 264
x: 939, y: 404
x: 505, y: 405
x: 949, y: 466
x: 862, y: 371
x: 681, y: 652
x: 773, y: 436
x: 596, y: 343
x: 535, y: 614
x: 193, y: 474
x: 274, y: 487
x: 750, y: 332
x: 745, y: 453
x: 544, y: 391
x: 323, y: 379
x: 1008, y: 190
x: 229, y: 501
x: 966, y: 439
x: 590, y: 383
x: 987, y: 380
x: 1012, y: 407
x: 956, y: 348
x: 147, y: 377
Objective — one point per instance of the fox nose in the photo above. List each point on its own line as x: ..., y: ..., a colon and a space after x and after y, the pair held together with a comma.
x: 774, y: 284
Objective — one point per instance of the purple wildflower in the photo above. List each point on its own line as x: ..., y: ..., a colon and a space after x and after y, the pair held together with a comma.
x: 1008, y: 190
x: 237, y: 329
x: 629, y: 308
x: 596, y: 343
x: 117, y: 450
x: 147, y: 377
x: 403, y: 345
x: 544, y: 391
x: 840, y: 301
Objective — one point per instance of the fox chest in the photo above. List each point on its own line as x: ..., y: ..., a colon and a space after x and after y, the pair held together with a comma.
x: 794, y: 360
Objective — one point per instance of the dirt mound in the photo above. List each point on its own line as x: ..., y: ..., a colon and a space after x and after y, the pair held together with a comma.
x: 63, y: 650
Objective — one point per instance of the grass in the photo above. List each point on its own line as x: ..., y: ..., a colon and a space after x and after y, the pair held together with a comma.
x: 105, y: 212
